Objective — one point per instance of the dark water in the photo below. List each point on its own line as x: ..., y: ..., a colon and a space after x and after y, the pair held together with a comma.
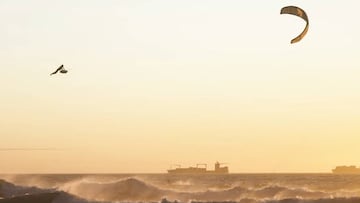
x: 243, y: 188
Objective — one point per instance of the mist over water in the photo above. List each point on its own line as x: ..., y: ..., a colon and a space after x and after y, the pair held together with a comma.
x: 243, y: 188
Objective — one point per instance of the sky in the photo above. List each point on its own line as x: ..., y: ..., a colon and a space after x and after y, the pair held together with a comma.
x: 160, y: 82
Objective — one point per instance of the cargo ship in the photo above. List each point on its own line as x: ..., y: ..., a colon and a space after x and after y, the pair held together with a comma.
x: 346, y: 170
x: 200, y: 169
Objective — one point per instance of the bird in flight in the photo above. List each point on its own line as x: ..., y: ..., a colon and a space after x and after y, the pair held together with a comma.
x: 61, y: 69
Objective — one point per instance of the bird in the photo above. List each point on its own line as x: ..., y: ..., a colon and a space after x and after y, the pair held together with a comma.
x: 61, y: 69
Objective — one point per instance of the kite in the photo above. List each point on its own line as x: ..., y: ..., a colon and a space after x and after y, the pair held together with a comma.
x: 61, y: 69
x: 293, y: 10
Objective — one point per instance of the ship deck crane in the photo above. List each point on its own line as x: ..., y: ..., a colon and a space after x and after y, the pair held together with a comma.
x: 197, y: 165
x: 178, y: 165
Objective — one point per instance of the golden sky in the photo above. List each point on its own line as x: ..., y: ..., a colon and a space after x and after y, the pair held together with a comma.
x: 155, y: 83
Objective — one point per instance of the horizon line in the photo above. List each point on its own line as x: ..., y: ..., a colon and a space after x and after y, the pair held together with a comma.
x: 29, y: 149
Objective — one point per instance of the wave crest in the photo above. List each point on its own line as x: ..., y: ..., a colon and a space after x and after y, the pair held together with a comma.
x: 130, y: 189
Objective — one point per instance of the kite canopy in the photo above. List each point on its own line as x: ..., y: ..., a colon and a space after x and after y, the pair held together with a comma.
x: 293, y: 10
x: 61, y: 69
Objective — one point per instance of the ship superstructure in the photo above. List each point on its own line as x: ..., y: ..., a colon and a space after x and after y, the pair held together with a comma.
x: 200, y: 169
x: 346, y: 170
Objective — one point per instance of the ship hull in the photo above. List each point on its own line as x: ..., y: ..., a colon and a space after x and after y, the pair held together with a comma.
x: 197, y: 170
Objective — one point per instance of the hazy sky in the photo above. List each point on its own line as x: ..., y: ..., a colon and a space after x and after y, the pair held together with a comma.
x: 158, y: 82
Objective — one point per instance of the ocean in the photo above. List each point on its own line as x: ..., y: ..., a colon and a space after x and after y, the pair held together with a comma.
x: 168, y: 188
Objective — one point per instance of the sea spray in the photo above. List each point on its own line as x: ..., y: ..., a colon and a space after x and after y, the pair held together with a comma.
x: 240, y: 188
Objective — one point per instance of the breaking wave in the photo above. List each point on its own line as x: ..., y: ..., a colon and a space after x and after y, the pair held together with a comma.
x: 87, y: 189
x: 124, y: 190
x: 8, y: 190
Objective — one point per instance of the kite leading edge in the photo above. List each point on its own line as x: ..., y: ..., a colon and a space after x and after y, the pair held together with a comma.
x: 293, y: 10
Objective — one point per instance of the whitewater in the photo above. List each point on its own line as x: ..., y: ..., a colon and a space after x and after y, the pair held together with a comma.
x: 168, y: 188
